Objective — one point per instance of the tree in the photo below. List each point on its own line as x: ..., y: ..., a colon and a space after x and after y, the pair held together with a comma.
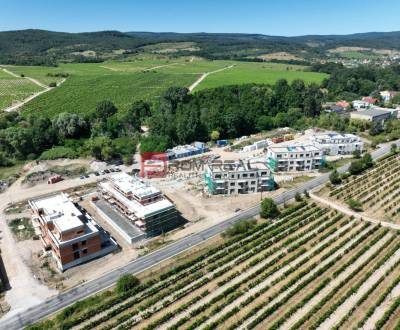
x: 375, y: 129
x: 126, y: 283
x: 188, y: 125
x: 70, y: 125
x: 269, y: 209
x: 104, y: 110
x: 297, y: 197
x: 214, y: 135
x: 357, y: 153
x: 131, y: 121
x: 356, y: 167
x: 393, y: 148
x: 334, y: 177
x: 265, y: 123
x: 100, y: 147
x: 18, y: 141
x: 4, y: 161
x: 172, y: 97
x: 154, y: 143
x: 367, y: 160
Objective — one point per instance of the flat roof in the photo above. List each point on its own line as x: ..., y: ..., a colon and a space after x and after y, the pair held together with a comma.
x: 122, y: 222
x: 293, y: 148
x: 141, y: 211
x: 133, y: 185
x: 244, y: 165
x: 334, y: 135
x: 372, y: 112
x: 60, y: 210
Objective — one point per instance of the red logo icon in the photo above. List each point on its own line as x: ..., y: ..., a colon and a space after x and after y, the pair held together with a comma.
x: 153, y: 164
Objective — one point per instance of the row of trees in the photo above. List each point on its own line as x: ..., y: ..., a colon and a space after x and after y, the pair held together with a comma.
x: 179, y: 117
x: 232, y: 111
x: 351, y: 83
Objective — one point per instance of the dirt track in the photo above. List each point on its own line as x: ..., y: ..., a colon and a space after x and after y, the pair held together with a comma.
x: 15, y: 107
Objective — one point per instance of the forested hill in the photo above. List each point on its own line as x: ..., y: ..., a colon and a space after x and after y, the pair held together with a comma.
x: 47, y: 47
x: 374, y: 39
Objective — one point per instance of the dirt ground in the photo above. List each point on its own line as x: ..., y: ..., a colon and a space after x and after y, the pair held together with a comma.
x: 39, y: 274
x: 200, y: 210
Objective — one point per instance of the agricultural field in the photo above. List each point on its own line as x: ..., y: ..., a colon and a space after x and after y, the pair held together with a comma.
x: 377, y: 191
x: 14, y: 89
x: 359, y: 55
x: 144, y: 79
x: 311, y: 268
x: 262, y: 73
x: 42, y: 74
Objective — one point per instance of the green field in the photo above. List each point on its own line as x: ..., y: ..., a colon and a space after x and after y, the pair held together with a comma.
x: 125, y: 82
x: 262, y: 73
x: 90, y: 83
x: 13, y: 89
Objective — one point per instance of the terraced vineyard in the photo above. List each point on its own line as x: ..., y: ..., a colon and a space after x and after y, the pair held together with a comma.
x: 378, y: 190
x: 13, y: 89
x: 313, y: 268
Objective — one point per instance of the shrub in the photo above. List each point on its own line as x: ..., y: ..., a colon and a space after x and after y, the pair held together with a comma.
x: 355, y: 205
x: 393, y: 148
x: 334, y: 177
x: 357, y: 154
x: 126, y: 282
x: 240, y: 227
x: 356, y: 167
x: 58, y: 152
x: 269, y: 208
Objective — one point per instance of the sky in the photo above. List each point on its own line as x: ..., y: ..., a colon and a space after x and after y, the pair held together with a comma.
x: 272, y: 17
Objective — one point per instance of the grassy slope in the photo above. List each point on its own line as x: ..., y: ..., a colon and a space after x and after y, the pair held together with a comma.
x: 125, y: 82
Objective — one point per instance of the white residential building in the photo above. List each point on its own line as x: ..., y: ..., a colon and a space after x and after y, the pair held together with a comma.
x: 360, y: 105
x: 144, y: 205
x: 334, y: 144
x: 257, y: 145
x: 240, y: 177
x: 294, y: 157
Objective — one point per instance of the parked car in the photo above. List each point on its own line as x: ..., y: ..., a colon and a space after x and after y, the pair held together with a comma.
x: 96, y: 173
x: 107, y: 171
x: 81, y: 177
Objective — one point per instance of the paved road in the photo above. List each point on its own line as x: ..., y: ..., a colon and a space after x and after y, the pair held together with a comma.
x: 64, y: 299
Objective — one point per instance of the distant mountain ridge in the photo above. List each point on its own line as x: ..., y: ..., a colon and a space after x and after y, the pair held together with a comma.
x: 34, y: 46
